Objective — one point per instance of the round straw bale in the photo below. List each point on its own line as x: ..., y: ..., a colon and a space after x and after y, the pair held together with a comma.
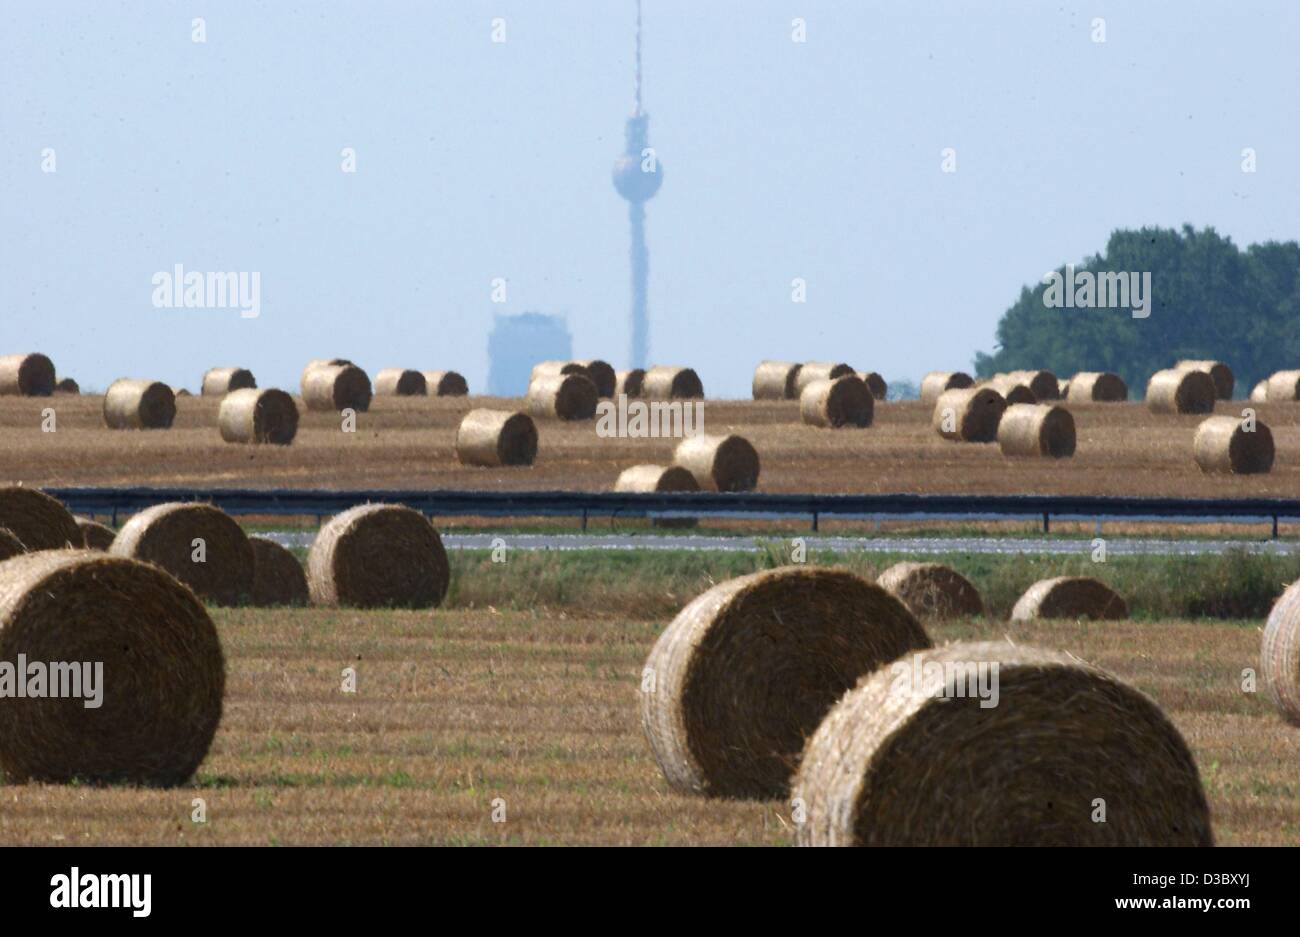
x: 1224, y: 444
x: 968, y: 415
x: 37, y: 520
x: 910, y: 757
x: 336, y: 387
x: 811, y: 371
x: 1283, y: 387
x: 10, y: 545
x: 1072, y: 597
x: 719, y: 463
x: 747, y: 670
x: 1096, y: 387
x: 602, y: 375
x: 218, y: 381
x: 935, y: 383
x: 656, y: 478
x: 162, y: 679
x: 663, y: 382
x: 875, y: 383
x: 563, y: 397
x: 629, y: 382
x: 26, y: 375
x: 1012, y: 389
x: 1280, y: 655
x: 1173, y: 391
x: 133, y: 404
x: 378, y: 556
x: 554, y: 368
x: 200, y: 545
x: 496, y: 437
x: 1260, y: 392
x: 400, y: 382
x: 67, y: 386
x: 776, y: 380
x: 258, y: 416
x: 932, y: 590
x: 1220, y: 373
x: 1029, y: 429
x: 278, y: 577
x: 1063, y: 388
x: 94, y: 535
x: 445, y: 384
x: 844, y: 401
x: 1043, y: 384
x: 319, y: 363
x: 181, y: 392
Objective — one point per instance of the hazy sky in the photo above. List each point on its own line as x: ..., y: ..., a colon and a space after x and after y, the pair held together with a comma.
x: 478, y: 160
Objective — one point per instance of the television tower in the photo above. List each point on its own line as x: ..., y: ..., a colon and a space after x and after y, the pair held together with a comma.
x: 637, y: 177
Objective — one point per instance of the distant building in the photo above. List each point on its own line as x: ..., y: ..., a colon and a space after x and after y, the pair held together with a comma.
x: 519, y: 342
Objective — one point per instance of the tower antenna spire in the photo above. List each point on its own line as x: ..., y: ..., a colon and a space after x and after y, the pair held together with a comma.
x: 638, y: 58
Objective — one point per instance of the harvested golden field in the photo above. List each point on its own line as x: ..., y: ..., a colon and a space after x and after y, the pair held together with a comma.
x: 409, y: 443
x: 537, y: 711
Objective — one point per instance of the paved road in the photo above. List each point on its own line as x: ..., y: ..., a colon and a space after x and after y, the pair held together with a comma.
x: 1115, y: 546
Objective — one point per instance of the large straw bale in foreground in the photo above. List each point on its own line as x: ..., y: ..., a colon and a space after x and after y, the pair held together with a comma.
x: 258, y: 416
x: 10, y: 545
x: 200, y: 545
x: 378, y: 556
x: 1280, y: 655
x: 746, y: 671
x: 37, y: 520
x: 29, y: 375
x: 1174, y: 391
x: 1036, y: 430
x: 137, y: 404
x: 1223, y: 445
x: 1220, y: 373
x: 776, y: 380
x: 932, y: 591
x: 1071, y: 597
x: 162, y: 679
x: 936, y: 383
x: 719, y: 463
x: 843, y: 401
x: 968, y: 415
x: 496, y: 437
x: 911, y: 758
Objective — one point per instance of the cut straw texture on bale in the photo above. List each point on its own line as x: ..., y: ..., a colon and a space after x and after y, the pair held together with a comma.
x: 445, y: 384
x: 1070, y: 597
x: 668, y: 383
x: 776, y: 380
x: 1043, y: 384
x: 911, y: 758
x: 336, y: 387
x: 67, y: 386
x: 1283, y: 387
x: 258, y: 416
x: 563, y: 397
x: 968, y: 415
x: 747, y: 670
x: 136, y: 404
x: 875, y: 383
x: 659, y: 478
x: 719, y: 463
x: 1096, y: 387
x: 278, y: 577
x: 1223, y: 444
x: 400, y: 382
x: 1260, y: 392
x: 1037, y: 430
x: 319, y: 363
x: 37, y: 520
x: 496, y: 437
x: 1174, y: 391
x: 1220, y: 373
x: 629, y: 383
x: 162, y: 679
x: 94, y: 535
x: 811, y: 371
x: 26, y: 375
x: 1280, y: 655
x: 10, y: 545
x: 378, y: 556
x: 218, y: 381
x: 932, y: 591
x: 602, y: 375
x: 934, y: 384
x: 844, y: 401
x: 200, y: 545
